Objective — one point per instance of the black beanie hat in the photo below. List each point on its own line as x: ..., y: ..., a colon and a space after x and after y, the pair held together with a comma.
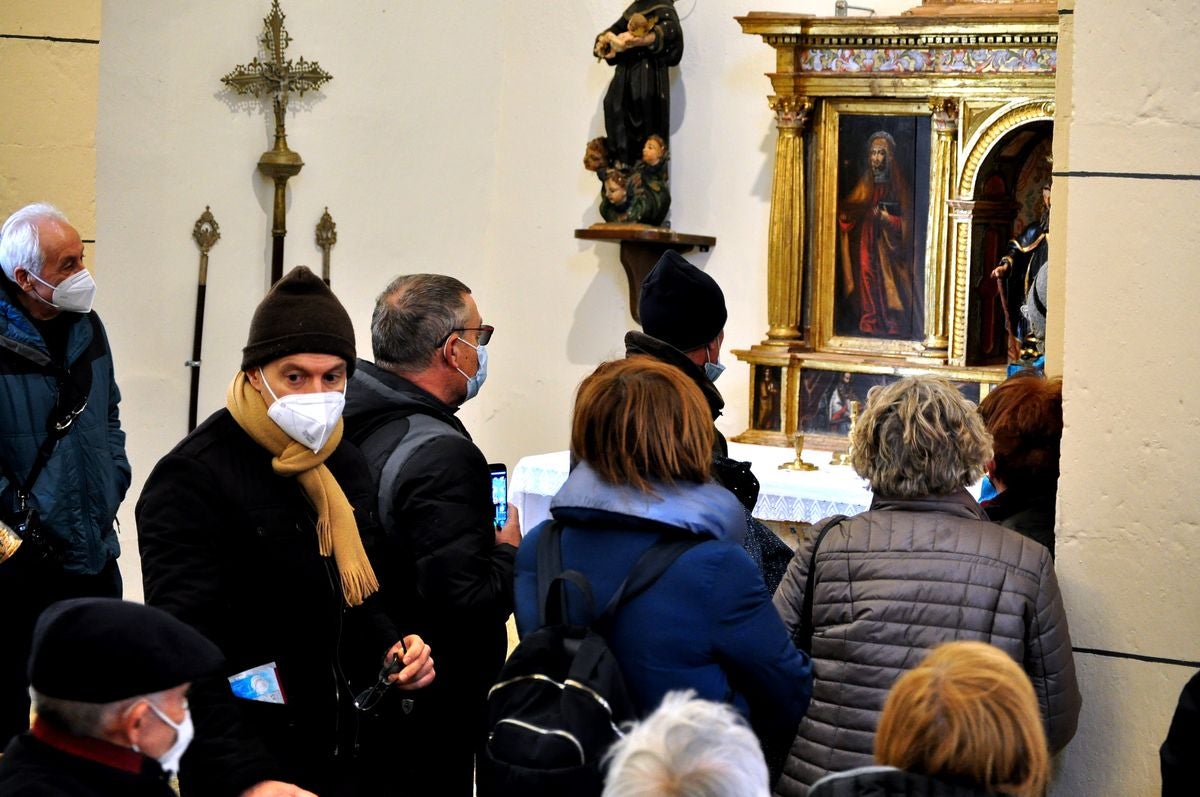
x: 680, y: 304
x: 101, y: 650
x: 299, y: 315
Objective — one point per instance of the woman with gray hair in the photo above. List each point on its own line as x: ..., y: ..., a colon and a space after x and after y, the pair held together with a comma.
x: 922, y: 566
x: 688, y: 748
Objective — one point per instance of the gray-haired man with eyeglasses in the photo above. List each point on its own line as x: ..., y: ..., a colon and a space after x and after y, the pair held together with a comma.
x: 447, y: 570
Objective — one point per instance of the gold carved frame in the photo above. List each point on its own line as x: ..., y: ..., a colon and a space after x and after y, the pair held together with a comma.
x: 977, y: 74
x: 825, y: 243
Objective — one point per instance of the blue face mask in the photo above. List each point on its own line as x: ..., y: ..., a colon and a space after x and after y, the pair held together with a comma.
x: 475, y: 383
x: 712, y: 370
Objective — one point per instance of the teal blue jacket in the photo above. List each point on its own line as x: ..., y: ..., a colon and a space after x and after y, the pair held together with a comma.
x: 83, y: 483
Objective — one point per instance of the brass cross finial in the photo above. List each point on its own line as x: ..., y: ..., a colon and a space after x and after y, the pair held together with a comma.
x: 279, y: 78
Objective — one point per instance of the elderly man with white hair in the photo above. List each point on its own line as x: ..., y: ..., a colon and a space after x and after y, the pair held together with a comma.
x: 63, y: 470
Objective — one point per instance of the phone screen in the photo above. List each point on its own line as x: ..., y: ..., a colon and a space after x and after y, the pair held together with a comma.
x: 500, y: 492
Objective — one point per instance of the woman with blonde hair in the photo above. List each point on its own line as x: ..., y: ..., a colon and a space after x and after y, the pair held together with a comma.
x: 643, y: 434
x: 922, y: 566
x: 962, y: 723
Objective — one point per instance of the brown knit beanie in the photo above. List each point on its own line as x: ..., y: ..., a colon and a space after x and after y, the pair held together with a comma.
x: 299, y: 315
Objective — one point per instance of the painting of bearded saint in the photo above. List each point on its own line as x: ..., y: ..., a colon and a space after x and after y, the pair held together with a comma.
x: 879, y: 230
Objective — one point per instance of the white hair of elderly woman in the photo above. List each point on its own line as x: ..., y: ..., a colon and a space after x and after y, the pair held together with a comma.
x: 688, y: 748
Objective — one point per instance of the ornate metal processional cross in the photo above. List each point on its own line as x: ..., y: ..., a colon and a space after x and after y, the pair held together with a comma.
x: 279, y: 78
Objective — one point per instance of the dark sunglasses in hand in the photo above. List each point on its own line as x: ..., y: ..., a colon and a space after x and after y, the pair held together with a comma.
x: 369, y: 698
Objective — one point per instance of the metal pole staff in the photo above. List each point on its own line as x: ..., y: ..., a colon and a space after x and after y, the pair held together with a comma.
x: 206, y: 232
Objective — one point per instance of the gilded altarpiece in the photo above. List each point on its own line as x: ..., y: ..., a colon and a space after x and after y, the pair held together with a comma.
x: 909, y: 150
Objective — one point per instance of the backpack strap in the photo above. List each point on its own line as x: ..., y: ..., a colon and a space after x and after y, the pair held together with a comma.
x: 804, y: 631
x: 364, y: 436
x: 652, y: 564
x: 74, y: 384
x: 552, y: 579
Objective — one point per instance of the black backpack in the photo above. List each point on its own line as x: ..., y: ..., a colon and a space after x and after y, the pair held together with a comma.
x: 560, y: 700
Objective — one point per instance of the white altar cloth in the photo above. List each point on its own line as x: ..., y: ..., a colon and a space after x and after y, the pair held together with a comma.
x: 789, y: 496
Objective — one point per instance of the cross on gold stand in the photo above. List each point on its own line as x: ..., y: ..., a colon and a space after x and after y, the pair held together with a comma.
x: 279, y: 78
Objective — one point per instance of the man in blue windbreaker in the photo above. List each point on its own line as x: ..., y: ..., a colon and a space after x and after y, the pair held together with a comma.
x: 63, y: 470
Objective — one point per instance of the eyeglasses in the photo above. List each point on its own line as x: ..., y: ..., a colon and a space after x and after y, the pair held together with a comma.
x: 485, y: 334
x: 369, y: 698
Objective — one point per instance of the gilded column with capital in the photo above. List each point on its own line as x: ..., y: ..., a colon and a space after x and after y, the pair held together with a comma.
x: 942, y: 179
x: 785, y: 242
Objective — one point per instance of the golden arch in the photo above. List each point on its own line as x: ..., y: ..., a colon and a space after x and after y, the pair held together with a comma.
x: 993, y: 131
x: 1005, y: 121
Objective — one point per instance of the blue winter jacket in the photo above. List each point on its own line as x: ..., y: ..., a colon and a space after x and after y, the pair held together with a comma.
x: 79, y: 490
x: 707, y: 624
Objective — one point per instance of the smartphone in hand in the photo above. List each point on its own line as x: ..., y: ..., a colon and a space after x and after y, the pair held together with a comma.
x: 499, y: 492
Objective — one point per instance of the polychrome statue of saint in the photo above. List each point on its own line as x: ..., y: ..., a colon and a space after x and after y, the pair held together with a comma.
x: 640, y: 46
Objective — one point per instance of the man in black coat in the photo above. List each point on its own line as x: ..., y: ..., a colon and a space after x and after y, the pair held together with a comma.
x: 683, y: 316
x: 435, y: 505
x: 110, y: 680
x: 683, y: 321
x: 255, y: 530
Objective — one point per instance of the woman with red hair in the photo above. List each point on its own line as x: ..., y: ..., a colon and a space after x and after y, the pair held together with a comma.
x: 1025, y: 418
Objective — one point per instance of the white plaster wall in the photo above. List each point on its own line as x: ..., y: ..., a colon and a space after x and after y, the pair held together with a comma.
x: 450, y: 139
x: 1128, y: 537
x: 1129, y: 544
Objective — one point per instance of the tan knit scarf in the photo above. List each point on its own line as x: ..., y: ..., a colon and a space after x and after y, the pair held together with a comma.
x: 337, y: 532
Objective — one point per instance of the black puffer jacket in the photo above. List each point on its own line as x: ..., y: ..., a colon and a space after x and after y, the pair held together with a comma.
x: 898, y: 580
x: 891, y: 782
x: 231, y: 548
x: 438, y: 520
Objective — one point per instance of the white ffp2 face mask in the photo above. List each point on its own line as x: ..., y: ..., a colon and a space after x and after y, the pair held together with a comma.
x: 307, y: 418
x: 75, y: 294
x: 184, y: 732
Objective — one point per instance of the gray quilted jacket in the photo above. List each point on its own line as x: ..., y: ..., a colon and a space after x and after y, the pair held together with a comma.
x: 897, y: 580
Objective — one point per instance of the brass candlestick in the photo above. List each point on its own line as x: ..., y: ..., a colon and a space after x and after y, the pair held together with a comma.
x: 798, y: 463
x: 843, y: 457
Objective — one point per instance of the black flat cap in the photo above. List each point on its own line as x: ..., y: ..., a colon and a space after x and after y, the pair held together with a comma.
x: 680, y: 304
x: 101, y: 650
